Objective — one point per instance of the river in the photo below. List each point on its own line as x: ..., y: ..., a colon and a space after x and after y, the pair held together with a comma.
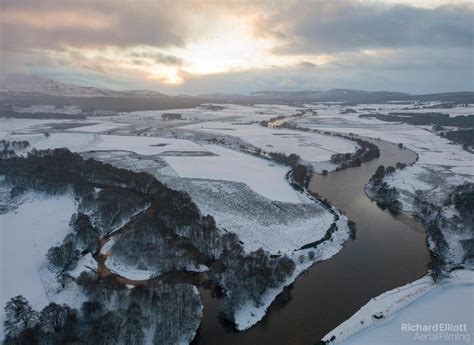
x: 389, y: 251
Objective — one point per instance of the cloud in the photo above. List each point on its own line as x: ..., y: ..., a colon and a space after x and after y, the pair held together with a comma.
x: 337, y: 26
x: 199, y: 46
x: 51, y: 24
x: 156, y: 57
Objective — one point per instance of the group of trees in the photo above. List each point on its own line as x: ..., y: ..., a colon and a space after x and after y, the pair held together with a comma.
x: 365, y: 153
x: 300, y: 173
x: 463, y: 137
x: 170, y: 313
x: 247, y: 277
x: 160, y: 229
x: 425, y: 119
x: 60, y: 324
x: 265, y: 123
x: 8, y: 148
x: 54, y: 324
x: 384, y: 195
x: 442, y: 230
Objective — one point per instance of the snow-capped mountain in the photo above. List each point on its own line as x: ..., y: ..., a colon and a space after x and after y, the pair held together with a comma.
x: 19, y: 82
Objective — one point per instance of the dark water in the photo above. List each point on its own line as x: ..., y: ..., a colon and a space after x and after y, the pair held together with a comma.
x: 388, y: 252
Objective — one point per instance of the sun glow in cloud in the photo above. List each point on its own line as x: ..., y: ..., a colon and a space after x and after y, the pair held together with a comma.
x: 230, y: 47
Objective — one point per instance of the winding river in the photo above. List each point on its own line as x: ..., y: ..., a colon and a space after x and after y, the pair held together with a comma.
x: 389, y: 251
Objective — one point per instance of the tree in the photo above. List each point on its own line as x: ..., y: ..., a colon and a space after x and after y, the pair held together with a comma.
x: 63, y: 278
x: 64, y: 256
x: 379, y: 173
x: 133, y: 324
x: 91, y: 310
x: 19, y: 316
x: 53, y: 317
x: 106, y: 330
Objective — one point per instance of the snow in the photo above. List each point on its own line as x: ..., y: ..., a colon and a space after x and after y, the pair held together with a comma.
x: 421, y: 302
x: 124, y: 270
x: 232, y: 112
x: 24, y: 125
x: 27, y: 233
x: 86, y: 262
x: 311, y: 147
x: 262, y: 176
x: 278, y: 227
x: 81, y: 142
x: 249, y: 314
x: 100, y: 127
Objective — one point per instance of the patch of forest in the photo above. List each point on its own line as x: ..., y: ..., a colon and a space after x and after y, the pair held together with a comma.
x: 464, y: 137
x: 40, y: 115
x: 444, y: 231
x: 425, y: 119
x: 385, y: 196
x: 156, y: 228
x: 365, y: 152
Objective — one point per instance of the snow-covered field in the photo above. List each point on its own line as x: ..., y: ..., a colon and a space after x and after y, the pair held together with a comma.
x: 219, y: 163
x: 262, y: 176
x: 229, y: 112
x: 25, y: 125
x: 422, y: 302
x: 311, y: 147
x: 39, y: 222
x: 278, y: 227
x: 80, y: 142
x: 100, y: 127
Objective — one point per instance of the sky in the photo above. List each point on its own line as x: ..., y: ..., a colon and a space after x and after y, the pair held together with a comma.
x: 197, y: 47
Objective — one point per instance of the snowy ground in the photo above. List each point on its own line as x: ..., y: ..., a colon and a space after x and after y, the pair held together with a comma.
x: 421, y: 302
x: 25, y: 125
x: 39, y: 222
x: 233, y: 112
x: 278, y: 227
x: 311, y: 147
x: 249, y: 314
x: 214, y: 162
x: 263, y: 176
x: 100, y: 127
x: 80, y: 142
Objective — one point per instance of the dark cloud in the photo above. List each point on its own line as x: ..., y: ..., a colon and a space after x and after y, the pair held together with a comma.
x: 336, y: 26
x: 51, y: 24
x: 161, y: 58
x: 307, y: 64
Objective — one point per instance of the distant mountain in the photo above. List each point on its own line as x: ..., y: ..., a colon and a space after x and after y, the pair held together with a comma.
x: 348, y: 95
x: 24, y: 83
x: 26, y: 90
x: 334, y: 95
x: 338, y: 95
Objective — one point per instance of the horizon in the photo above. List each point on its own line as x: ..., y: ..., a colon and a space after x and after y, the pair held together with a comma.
x: 248, y: 93
x: 192, y: 48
